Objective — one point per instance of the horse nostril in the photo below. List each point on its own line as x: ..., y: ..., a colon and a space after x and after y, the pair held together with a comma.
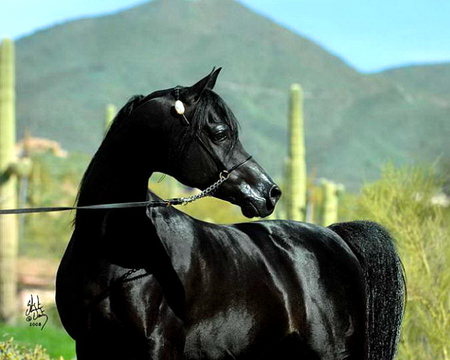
x: 275, y: 194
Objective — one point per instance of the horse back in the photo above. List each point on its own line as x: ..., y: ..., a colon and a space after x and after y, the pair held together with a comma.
x: 254, y: 284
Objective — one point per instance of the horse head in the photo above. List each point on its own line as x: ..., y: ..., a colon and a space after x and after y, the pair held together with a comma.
x: 198, y: 142
x: 210, y: 146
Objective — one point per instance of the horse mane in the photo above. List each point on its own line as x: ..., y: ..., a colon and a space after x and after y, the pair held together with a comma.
x: 125, y: 111
x: 117, y: 122
x: 133, y: 103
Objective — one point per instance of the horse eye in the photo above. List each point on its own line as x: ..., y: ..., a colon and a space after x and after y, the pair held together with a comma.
x: 220, y: 136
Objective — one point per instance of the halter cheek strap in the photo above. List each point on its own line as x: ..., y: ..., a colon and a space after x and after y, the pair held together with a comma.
x: 180, y: 110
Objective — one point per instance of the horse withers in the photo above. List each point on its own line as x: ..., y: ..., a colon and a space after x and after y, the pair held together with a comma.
x: 155, y: 283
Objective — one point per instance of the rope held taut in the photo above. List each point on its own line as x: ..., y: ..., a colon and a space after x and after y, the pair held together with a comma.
x: 224, y: 175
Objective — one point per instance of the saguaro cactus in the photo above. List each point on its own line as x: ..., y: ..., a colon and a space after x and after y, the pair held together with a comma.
x: 295, y: 191
x: 330, y: 207
x: 8, y: 184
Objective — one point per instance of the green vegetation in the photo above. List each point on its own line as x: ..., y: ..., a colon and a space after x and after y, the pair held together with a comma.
x: 23, y: 342
x: 34, y: 344
x: 404, y: 201
x: 13, y: 351
x: 430, y: 79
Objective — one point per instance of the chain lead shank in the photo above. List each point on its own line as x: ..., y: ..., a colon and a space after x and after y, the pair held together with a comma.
x: 207, y: 192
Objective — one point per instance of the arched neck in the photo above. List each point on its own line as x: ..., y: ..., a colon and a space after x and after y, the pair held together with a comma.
x: 115, y: 174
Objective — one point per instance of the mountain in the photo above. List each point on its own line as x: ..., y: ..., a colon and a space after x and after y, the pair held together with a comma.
x: 432, y: 79
x: 354, y: 122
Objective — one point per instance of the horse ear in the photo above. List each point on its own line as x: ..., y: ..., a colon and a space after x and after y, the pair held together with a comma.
x: 195, y: 91
x: 212, y: 78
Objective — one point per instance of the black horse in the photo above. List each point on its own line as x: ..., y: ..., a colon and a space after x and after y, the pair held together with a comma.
x: 157, y: 284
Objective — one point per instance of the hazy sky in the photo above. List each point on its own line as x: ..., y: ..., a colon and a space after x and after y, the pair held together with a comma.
x: 370, y: 35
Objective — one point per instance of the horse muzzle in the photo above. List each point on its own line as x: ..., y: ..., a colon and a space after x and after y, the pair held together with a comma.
x: 253, y: 205
x: 252, y: 190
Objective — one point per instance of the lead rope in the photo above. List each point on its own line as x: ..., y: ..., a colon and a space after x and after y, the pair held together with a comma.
x: 224, y: 175
x: 150, y: 204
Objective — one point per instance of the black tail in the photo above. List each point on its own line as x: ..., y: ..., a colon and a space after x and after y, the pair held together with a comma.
x: 384, y: 285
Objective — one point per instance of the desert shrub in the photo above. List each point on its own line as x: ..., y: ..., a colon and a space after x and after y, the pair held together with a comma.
x: 9, y: 350
x: 53, y: 337
x: 404, y: 201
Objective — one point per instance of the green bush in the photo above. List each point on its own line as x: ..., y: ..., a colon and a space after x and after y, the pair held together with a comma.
x: 53, y: 337
x: 402, y: 200
x: 9, y: 350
